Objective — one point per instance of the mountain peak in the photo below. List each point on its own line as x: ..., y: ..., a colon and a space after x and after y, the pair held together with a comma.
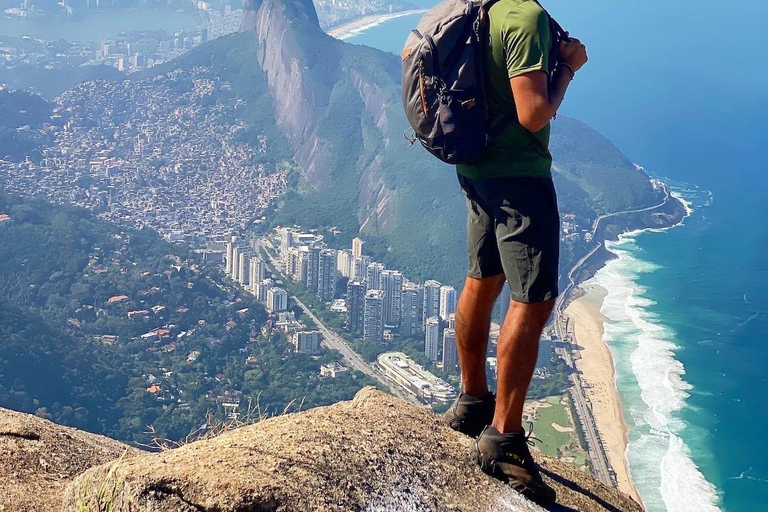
x: 295, y: 10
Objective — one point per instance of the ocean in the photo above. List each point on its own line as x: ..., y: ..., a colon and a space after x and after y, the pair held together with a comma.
x: 96, y: 25
x: 681, y: 88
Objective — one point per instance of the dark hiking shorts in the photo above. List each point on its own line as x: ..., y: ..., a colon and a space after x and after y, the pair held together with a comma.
x: 513, y: 228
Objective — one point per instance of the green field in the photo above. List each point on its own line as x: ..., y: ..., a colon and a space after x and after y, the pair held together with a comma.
x: 554, y: 443
x: 551, y: 439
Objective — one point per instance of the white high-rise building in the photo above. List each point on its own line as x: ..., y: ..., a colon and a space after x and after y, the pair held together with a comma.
x: 235, y: 264
x: 286, y: 242
x: 261, y: 290
x: 373, y: 324
x: 229, y: 258
x: 307, y: 342
x: 359, y: 267
x: 411, y: 304
x: 448, y: 300
x: 277, y: 300
x: 392, y: 286
x: 373, y: 276
x: 357, y: 248
x: 432, y: 338
x: 431, y: 300
x: 302, y: 265
x: 326, y: 277
x: 450, y: 352
x: 257, y: 271
x: 344, y: 263
x: 242, y: 268
x: 291, y: 262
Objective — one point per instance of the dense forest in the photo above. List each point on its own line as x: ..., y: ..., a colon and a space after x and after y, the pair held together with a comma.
x: 21, y: 114
x: 113, y: 331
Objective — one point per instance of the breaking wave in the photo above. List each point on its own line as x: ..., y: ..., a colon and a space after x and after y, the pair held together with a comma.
x: 653, y: 387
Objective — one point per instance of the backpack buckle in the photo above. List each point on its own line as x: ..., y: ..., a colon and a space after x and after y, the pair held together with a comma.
x: 410, y: 136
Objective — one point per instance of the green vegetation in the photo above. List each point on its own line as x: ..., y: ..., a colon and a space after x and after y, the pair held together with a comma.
x: 555, y: 383
x: 103, y: 498
x: 607, y: 180
x: 552, y: 439
x: 52, y: 82
x: 20, y: 114
x: 113, y: 331
x: 554, y: 427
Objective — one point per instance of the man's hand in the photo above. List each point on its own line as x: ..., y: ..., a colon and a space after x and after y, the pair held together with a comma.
x: 536, y: 98
x: 574, y: 53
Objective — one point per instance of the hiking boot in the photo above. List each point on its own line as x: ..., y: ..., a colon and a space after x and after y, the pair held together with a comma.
x: 507, y: 458
x: 470, y: 415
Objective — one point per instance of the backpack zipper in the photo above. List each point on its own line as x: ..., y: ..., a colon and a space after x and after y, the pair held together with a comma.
x: 423, y: 89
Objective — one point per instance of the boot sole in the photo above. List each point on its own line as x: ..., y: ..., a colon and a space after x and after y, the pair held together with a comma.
x: 498, y: 473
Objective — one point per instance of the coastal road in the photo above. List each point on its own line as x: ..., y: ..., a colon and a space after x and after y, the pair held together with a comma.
x: 598, y: 457
x: 563, y: 299
x: 336, y: 342
x: 601, y: 467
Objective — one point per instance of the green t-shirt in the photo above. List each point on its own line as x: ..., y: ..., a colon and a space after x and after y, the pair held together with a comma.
x: 520, y: 42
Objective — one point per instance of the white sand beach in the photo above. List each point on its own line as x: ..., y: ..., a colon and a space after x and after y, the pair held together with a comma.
x: 354, y: 27
x: 598, y: 375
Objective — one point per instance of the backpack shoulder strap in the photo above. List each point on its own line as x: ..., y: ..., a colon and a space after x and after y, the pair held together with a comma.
x: 561, y: 34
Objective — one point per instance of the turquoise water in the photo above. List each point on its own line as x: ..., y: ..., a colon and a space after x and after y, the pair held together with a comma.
x: 97, y: 25
x: 681, y: 87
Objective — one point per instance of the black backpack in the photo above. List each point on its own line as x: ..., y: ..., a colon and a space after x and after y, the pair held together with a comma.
x: 444, y: 80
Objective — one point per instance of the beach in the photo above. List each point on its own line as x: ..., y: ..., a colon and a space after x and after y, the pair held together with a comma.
x: 594, y: 361
x: 356, y: 26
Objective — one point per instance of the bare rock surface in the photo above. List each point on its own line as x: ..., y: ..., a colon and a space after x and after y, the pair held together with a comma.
x: 375, y: 453
x: 39, y: 458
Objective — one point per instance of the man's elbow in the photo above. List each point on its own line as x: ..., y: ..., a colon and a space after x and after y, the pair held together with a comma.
x: 534, y: 122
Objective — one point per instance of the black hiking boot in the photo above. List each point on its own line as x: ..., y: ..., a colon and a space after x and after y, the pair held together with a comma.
x: 507, y: 458
x: 470, y: 415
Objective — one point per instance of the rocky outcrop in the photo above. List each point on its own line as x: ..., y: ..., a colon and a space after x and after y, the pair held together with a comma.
x: 333, y: 101
x: 374, y: 453
x: 39, y: 458
x: 301, y: 65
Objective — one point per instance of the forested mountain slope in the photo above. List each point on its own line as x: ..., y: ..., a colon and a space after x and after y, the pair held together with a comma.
x: 113, y: 330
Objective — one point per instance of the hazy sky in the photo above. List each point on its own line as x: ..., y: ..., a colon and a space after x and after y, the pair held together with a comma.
x: 674, y: 81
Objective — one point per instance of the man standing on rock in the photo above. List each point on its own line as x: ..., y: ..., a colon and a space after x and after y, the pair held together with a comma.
x: 513, y: 238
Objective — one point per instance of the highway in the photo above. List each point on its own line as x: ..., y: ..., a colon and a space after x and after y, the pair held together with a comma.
x: 352, y: 358
x: 601, y: 467
x: 334, y: 341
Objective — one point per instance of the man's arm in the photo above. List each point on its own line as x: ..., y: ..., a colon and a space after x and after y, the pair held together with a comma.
x: 536, y: 99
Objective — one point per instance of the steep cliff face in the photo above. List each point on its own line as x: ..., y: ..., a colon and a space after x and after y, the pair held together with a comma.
x: 332, y: 100
x: 301, y: 64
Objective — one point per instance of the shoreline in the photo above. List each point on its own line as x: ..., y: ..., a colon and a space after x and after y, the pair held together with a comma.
x: 356, y: 26
x: 594, y: 357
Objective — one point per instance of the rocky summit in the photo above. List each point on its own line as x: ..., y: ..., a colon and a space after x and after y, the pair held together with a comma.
x: 38, y: 459
x: 375, y: 453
